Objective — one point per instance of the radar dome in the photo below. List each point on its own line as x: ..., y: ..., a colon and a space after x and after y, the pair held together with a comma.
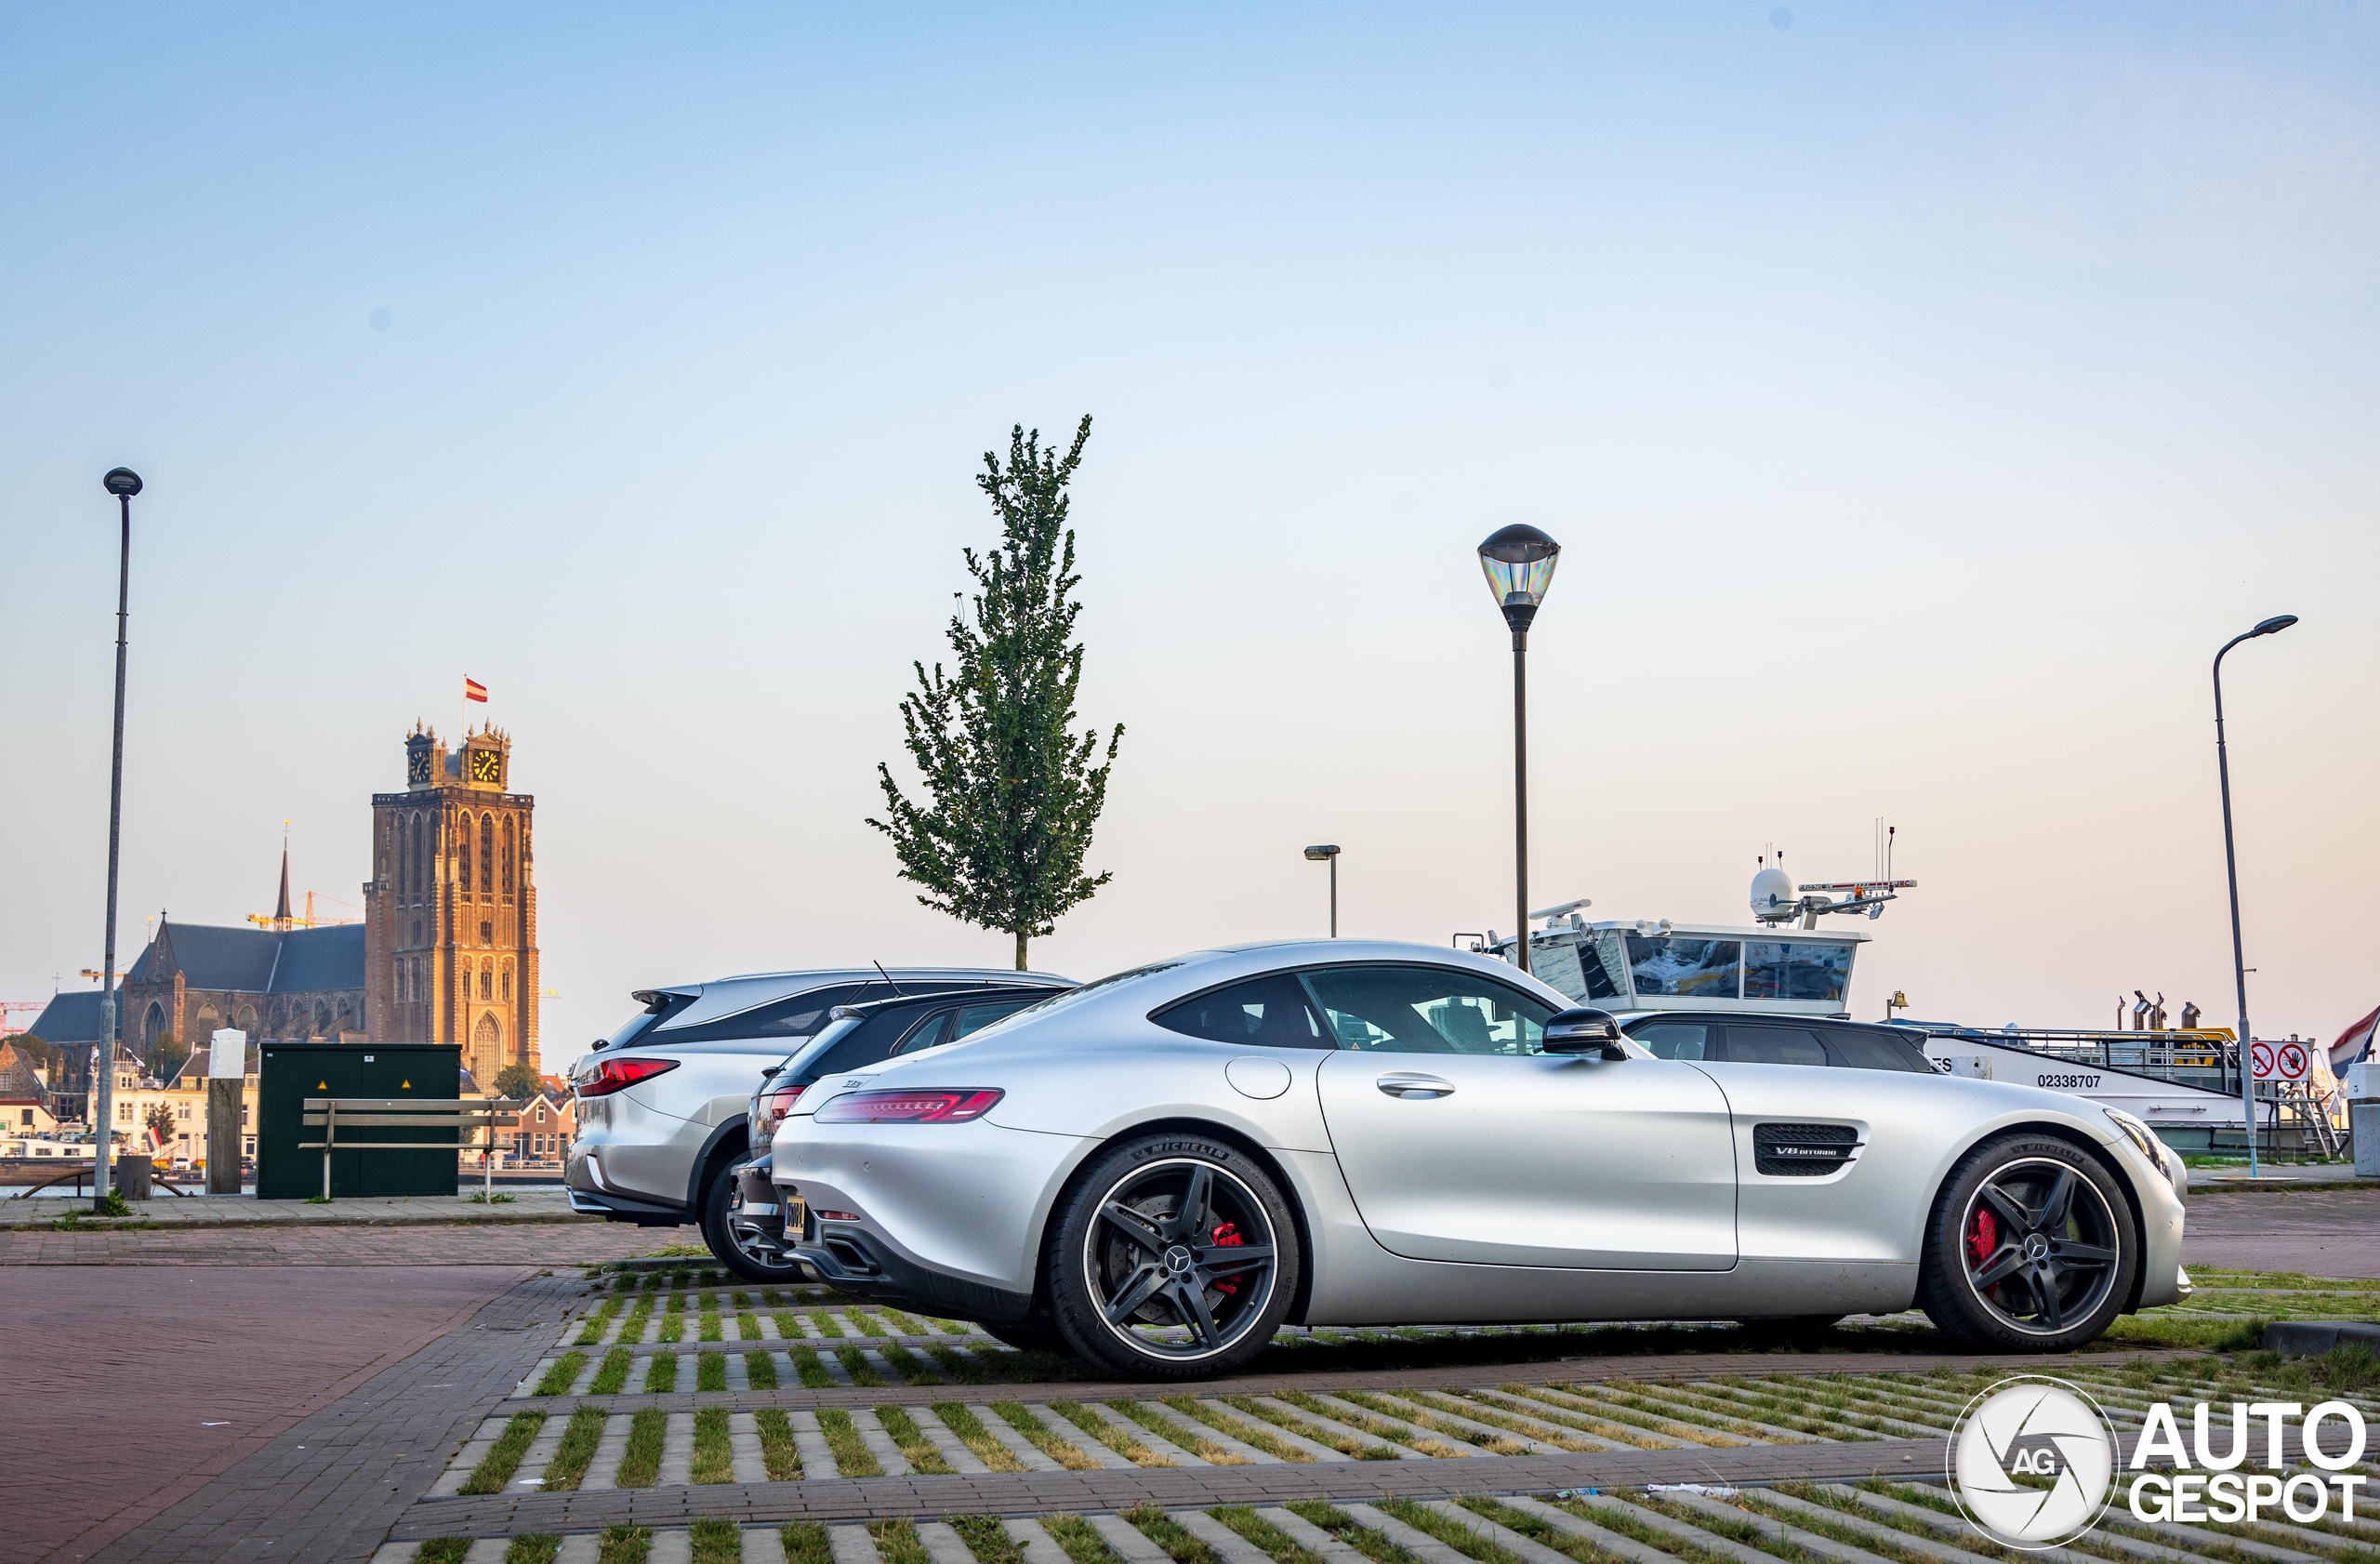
x: 1772, y: 894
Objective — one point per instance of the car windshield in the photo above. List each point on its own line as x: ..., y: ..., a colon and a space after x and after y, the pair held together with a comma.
x: 828, y: 1036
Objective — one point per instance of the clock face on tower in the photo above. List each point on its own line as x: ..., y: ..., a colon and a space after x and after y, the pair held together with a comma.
x: 417, y: 764
x: 487, y: 765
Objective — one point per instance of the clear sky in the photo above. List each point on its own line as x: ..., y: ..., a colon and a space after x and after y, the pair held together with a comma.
x: 1921, y: 394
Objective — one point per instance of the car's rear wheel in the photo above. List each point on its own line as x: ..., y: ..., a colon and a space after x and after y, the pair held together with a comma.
x: 1174, y: 1257
x: 720, y: 1200
x: 2030, y: 1248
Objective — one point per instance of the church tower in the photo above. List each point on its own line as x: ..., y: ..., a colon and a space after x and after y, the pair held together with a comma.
x: 451, y: 911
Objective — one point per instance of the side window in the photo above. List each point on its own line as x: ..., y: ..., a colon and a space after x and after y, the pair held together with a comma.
x: 1264, y: 1012
x: 1874, y: 1051
x: 931, y: 1032
x: 1427, y: 1010
x: 975, y: 1018
x: 801, y: 1015
x: 1774, y: 1045
x: 1674, y: 1039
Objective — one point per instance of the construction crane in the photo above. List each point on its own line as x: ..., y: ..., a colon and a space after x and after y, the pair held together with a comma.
x: 281, y: 920
x: 286, y: 920
x: 8, y: 1009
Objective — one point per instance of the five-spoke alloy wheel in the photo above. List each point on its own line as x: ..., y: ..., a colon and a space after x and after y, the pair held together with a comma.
x: 2030, y: 1247
x: 1172, y: 1257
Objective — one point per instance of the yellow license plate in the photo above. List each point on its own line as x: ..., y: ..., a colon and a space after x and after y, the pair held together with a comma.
x: 797, y: 1218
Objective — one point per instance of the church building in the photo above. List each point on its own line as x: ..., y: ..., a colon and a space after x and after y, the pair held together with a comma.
x: 450, y: 915
x: 447, y: 951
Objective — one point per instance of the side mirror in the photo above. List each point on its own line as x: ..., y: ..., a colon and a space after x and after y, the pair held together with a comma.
x: 1584, y: 1031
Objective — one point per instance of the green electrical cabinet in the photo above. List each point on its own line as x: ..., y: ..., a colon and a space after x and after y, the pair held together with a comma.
x: 291, y: 1072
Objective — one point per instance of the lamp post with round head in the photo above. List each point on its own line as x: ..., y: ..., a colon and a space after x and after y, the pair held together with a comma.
x: 2231, y: 873
x: 1519, y: 563
x: 1329, y: 853
x: 123, y: 483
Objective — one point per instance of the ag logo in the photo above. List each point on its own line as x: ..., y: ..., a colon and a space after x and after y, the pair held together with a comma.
x: 2031, y: 1461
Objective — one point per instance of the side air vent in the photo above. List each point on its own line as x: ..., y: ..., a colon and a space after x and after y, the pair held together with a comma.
x: 1802, y: 1151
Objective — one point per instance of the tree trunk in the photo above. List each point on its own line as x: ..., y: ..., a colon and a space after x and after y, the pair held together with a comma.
x: 1020, y: 950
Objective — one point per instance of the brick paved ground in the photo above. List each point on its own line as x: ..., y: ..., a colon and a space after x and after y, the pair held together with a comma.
x: 2321, y: 1232
x: 507, y: 1244
x: 346, y: 1446
x: 138, y: 1384
x: 245, y: 1210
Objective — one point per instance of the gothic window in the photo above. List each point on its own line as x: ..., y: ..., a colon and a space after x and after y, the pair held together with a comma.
x: 487, y: 982
x: 490, y: 1037
x: 508, y: 859
x: 322, y: 1020
x: 153, y: 1026
x: 487, y: 855
x: 508, y: 982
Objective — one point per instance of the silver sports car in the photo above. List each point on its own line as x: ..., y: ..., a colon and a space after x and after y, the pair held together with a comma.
x: 1160, y: 1168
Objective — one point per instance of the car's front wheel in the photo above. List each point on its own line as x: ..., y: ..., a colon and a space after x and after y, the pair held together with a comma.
x: 2030, y: 1248
x: 749, y: 1262
x: 1174, y: 1257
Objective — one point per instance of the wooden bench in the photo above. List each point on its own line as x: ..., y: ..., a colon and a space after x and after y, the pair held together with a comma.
x: 453, y: 1116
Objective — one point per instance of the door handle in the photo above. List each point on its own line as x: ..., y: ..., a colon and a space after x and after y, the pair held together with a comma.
x: 1414, y: 1088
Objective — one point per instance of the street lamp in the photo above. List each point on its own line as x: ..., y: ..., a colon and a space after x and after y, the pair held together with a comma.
x: 123, y: 483
x: 1519, y: 562
x: 2231, y: 871
x: 1329, y: 853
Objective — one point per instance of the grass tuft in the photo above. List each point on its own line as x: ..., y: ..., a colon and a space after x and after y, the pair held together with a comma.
x: 624, y: 1545
x: 778, y: 1452
x: 714, y: 1460
x: 717, y: 1541
x: 562, y: 1376
x: 911, y: 1442
x: 852, y: 1458
x: 579, y: 1437
x: 641, y: 1464
x: 503, y: 1459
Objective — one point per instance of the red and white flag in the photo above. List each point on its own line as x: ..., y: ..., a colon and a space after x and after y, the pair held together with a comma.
x: 474, y: 690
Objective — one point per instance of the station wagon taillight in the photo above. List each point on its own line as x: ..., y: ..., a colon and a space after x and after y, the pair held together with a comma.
x: 775, y: 1103
x: 618, y: 1075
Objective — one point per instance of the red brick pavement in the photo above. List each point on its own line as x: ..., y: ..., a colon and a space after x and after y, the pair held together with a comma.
x: 127, y: 1346
x: 531, y: 1243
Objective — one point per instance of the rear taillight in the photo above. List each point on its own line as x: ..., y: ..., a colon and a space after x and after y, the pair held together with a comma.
x: 909, y: 1107
x: 618, y: 1075
x: 775, y: 1104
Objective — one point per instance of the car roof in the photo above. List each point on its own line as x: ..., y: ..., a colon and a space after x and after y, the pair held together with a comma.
x: 724, y: 997
x: 1630, y: 1018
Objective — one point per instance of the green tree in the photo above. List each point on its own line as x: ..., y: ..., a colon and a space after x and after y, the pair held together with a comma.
x: 1011, y: 791
x: 160, y: 1120
x: 166, y: 1057
x: 517, y: 1082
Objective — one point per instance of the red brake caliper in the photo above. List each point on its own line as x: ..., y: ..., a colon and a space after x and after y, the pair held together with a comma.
x: 1983, y: 1237
x: 1225, y: 1235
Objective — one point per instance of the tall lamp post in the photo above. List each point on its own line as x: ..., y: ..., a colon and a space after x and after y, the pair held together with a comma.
x: 123, y: 483
x: 2232, y: 872
x: 1519, y: 562
x: 1328, y: 852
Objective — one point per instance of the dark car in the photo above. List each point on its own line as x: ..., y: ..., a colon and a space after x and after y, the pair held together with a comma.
x: 854, y: 1036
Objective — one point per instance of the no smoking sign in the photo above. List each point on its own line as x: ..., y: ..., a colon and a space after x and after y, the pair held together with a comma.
x: 2278, y: 1061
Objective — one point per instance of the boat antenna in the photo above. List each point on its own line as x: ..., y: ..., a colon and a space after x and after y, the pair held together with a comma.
x: 887, y: 977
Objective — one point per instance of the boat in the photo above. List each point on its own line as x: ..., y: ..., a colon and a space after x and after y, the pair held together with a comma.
x: 2184, y: 1084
